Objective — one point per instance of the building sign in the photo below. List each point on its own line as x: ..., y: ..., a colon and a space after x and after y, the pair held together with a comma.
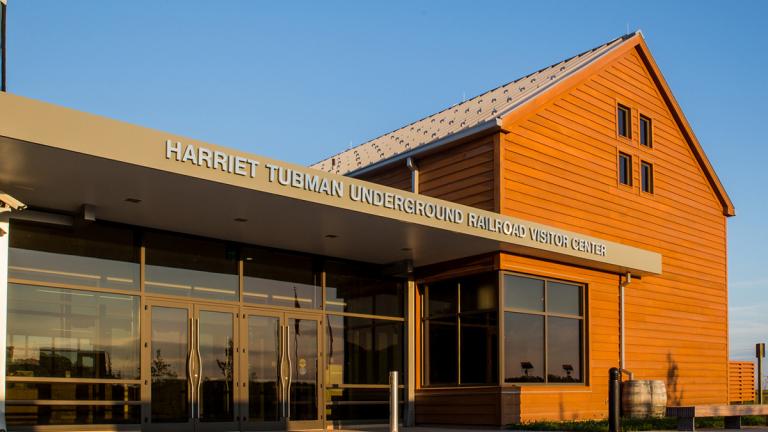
x: 369, y: 195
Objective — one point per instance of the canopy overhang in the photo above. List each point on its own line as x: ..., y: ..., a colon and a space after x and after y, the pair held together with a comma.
x: 60, y: 159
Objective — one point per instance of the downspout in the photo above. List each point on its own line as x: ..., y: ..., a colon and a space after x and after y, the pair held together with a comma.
x: 411, y: 164
x: 622, y: 349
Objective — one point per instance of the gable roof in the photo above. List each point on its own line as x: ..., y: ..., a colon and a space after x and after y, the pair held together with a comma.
x: 486, y: 112
x: 462, y: 116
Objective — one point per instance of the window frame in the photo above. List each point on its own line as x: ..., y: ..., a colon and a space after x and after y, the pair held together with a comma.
x: 584, y: 354
x: 627, y: 121
x: 630, y: 169
x: 424, y: 317
x: 643, y: 165
x: 649, y: 132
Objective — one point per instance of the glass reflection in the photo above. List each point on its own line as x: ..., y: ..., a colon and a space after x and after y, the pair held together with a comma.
x: 303, y: 358
x: 564, y: 298
x: 72, y: 391
x: 30, y: 415
x: 191, y: 267
x: 479, y: 348
x: 217, y: 369
x: 54, y: 332
x: 170, y: 335
x: 362, y: 350
x: 564, y: 340
x: 263, y: 368
x: 362, y: 288
x: 523, y: 293
x: 281, y: 279
x: 523, y: 347
x: 94, y: 255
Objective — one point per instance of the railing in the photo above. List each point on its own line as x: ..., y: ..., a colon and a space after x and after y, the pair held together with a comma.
x: 741, y: 381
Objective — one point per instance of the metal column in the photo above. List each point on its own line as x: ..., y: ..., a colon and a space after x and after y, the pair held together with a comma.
x: 5, y: 230
x: 409, y: 417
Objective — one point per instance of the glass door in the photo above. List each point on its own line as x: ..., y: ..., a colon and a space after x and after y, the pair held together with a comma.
x: 192, y: 367
x: 282, y: 363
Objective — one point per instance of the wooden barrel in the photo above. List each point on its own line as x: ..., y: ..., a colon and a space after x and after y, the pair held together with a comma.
x: 643, y: 398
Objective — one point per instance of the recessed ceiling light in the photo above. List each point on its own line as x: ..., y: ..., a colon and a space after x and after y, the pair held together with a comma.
x: 331, y: 236
x: 133, y: 200
x: 249, y: 258
x: 241, y: 220
x: 406, y: 249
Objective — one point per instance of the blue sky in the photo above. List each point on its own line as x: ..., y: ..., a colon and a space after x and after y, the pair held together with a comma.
x: 299, y: 81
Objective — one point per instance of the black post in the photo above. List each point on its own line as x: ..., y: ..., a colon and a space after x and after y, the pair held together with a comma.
x: 760, y: 354
x: 3, y: 6
x: 614, y: 399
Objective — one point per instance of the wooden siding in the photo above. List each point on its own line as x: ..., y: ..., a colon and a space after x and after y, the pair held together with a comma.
x: 560, y: 168
x: 397, y: 176
x: 462, y: 174
x: 741, y: 381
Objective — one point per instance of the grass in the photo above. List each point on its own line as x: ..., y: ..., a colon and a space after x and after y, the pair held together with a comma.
x: 630, y: 424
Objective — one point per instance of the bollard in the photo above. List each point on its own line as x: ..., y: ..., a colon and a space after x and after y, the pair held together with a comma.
x: 614, y: 400
x: 393, y: 402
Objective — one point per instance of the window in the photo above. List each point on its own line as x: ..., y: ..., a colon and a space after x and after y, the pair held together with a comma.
x: 625, y: 169
x: 543, y: 331
x: 75, y: 353
x: 460, y: 328
x: 281, y: 278
x: 646, y: 133
x: 191, y: 266
x: 623, y: 121
x: 646, y: 176
x: 94, y: 255
x: 362, y: 289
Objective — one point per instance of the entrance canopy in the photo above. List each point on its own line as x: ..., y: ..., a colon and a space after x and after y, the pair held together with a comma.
x: 60, y: 159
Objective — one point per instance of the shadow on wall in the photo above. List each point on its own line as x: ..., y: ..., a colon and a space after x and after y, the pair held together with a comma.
x: 674, y: 392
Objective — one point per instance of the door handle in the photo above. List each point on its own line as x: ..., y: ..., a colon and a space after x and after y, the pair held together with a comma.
x: 290, y: 371
x: 190, y: 384
x: 280, y: 363
x: 199, y: 365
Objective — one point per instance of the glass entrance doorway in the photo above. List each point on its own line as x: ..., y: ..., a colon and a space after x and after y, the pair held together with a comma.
x: 215, y: 368
x: 282, y: 364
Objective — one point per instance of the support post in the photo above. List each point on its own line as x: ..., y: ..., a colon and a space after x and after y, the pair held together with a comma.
x: 5, y: 231
x: 393, y: 402
x: 614, y: 392
x: 409, y: 406
x: 760, y: 354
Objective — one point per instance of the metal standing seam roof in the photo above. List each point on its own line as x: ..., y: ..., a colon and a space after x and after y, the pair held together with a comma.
x: 480, y: 109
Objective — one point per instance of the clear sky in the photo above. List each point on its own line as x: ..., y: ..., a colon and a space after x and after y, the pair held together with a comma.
x: 299, y: 81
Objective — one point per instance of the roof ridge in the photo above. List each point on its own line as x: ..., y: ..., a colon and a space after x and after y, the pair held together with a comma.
x: 467, y: 102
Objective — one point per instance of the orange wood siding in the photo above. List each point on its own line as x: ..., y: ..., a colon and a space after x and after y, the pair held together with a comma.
x: 560, y: 168
x: 397, y: 176
x: 463, y: 174
x: 741, y: 381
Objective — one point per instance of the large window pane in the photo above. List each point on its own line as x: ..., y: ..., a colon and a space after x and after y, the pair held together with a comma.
x: 29, y: 415
x: 523, y: 293
x: 282, y: 279
x: 479, y: 293
x: 93, y: 255
x: 564, y: 298
x: 442, y: 299
x: 443, y: 353
x: 60, y: 391
x: 55, y: 332
x: 564, y: 340
x: 359, y: 405
x: 479, y: 348
x: 191, y: 267
x: 361, y: 288
x: 170, y: 338
x: 523, y: 347
x: 363, y: 350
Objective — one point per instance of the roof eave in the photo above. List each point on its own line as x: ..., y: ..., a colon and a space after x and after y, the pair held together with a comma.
x: 483, y: 128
